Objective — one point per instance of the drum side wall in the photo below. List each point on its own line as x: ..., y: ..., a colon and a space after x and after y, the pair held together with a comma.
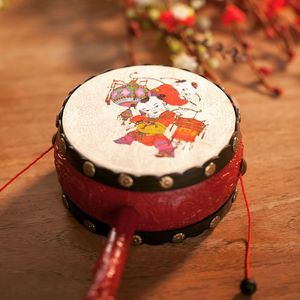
x: 157, y: 210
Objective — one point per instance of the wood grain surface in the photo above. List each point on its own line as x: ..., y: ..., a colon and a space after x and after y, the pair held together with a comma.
x: 47, y: 48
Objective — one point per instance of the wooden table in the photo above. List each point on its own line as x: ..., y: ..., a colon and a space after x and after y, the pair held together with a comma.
x: 47, y: 48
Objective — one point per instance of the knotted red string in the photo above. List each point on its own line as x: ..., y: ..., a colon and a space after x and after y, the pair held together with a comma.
x: 249, y: 237
x: 25, y: 169
x: 248, y: 286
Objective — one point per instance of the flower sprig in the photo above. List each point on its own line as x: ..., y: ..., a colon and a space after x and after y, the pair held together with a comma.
x: 186, y: 28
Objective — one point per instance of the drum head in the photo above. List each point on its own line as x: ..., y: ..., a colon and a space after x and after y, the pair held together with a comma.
x: 148, y: 120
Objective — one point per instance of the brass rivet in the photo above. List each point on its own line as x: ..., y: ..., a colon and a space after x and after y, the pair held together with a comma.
x: 125, y: 180
x: 235, y: 143
x: 178, y: 237
x: 210, y: 169
x: 136, y: 240
x: 89, y: 225
x: 63, y: 145
x: 234, y: 196
x: 54, y: 138
x: 243, y: 167
x: 65, y: 201
x: 238, y: 114
x: 166, y: 182
x: 88, y: 169
x: 239, y: 117
x: 214, y: 222
x: 57, y: 119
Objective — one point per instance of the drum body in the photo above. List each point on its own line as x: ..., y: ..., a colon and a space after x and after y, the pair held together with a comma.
x: 160, y: 210
x: 152, y: 153
x: 160, y: 140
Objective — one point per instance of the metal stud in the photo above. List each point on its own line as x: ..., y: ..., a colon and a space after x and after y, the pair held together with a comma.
x: 65, y: 201
x: 89, y: 225
x: 210, y: 169
x: 243, y: 167
x: 214, y: 222
x: 88, y: 169
x: 57, y: 119
x: 166, y: 182
x: 125, y: 180
x: 178, y: 237
x: 54, y: 138
x: 63, y: 145
x: 234, y: 196
x: 235, y: 143
x: 136, y: 240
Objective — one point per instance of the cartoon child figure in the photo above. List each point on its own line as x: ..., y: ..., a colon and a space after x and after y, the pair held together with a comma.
x: 151, y: 125
x: 155, y: 118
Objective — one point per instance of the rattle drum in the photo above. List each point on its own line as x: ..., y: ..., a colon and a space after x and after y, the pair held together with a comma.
x: 151, y: 154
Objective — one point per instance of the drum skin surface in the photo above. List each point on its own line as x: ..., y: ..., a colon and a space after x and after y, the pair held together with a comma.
x: 157, y: 211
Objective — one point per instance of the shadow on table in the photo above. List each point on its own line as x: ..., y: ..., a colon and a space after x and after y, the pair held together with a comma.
x: 45, y: 252
x: 241, y: 296
x: 150, y: 265
x: 44, y: 246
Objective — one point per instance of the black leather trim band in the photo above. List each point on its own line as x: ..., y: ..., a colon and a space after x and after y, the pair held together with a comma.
x: 153, y: 238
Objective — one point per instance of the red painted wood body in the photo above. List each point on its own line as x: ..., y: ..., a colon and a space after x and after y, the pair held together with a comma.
x: 157, y: 210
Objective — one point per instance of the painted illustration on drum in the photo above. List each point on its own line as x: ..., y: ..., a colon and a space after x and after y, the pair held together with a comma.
x: 164, y: 113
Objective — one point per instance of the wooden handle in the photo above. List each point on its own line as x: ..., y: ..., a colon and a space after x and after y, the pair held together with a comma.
x: 111, y: 262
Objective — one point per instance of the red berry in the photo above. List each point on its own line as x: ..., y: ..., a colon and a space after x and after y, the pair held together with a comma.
x: 233, y: 15
x: 270, y: 33
x: 265, y: 71
x: 277, y: 92
x: 291, y: 55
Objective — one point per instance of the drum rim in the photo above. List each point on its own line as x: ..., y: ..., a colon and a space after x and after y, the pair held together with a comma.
x: 148, y: 183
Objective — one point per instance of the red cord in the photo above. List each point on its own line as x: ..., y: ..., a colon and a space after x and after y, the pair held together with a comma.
x: 25, y: 169
x: 247, y: 260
